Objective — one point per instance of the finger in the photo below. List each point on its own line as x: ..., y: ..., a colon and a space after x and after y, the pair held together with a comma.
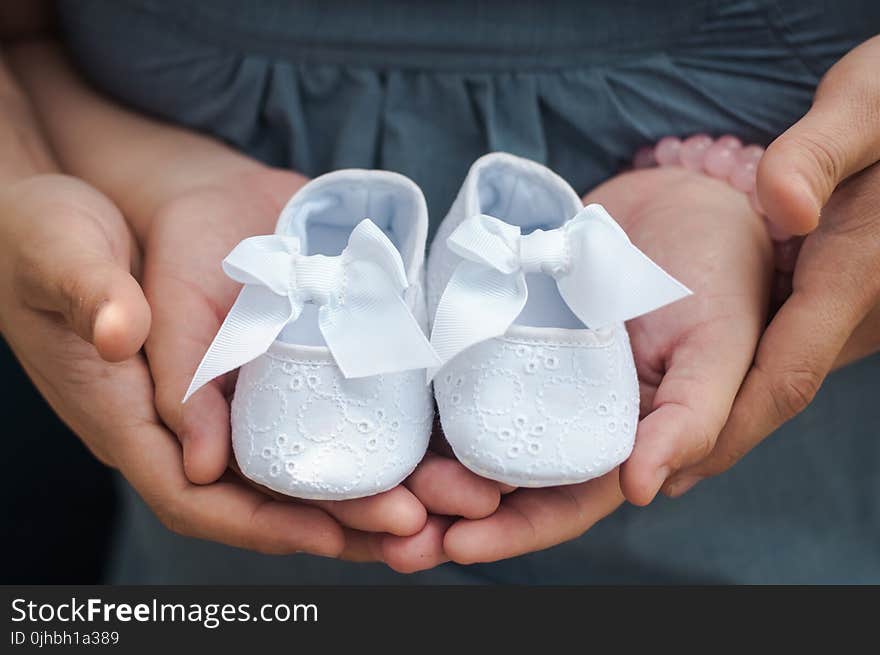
x: 405, y: 554
x: 99, y: 299
x: 396, y: 511
x: 81, y: 277
x: 204, y: 431
x: 533, y: 519
x: 446, y: 487
x: 794, y: 356
x: 419, y: 552
x: 864, y: 341
x: 191, y: 296
x: 226, y: 511
x: 175, y: 348
x: 839, y: 136
x: 235, y: 515
x: 362, y: 546
x: 691, y: 404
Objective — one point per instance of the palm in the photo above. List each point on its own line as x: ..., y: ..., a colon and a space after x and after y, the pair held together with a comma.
x: 704, y: 233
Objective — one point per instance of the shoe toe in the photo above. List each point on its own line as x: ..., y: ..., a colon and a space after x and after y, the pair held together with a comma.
x: 537, y: 413
x: 301, y: 429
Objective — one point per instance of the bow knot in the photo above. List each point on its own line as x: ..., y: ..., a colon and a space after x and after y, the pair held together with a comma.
x: 601, y: 276
x: 544, y: 252
x: 318, y: 279
x: 364, y: 320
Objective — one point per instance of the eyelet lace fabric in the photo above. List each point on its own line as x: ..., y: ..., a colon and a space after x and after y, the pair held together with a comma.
x: 533, y: 412
x: 302, y: 429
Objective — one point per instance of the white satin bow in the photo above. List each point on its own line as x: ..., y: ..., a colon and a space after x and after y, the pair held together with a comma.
x: 601, y: 276
x: 365, y: 322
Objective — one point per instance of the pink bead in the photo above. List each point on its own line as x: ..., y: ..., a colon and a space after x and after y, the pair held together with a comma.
x: 785, y: 254
x: 742, y: 176
x: 644, y: 158
x: 750, y: 154
x: 693, y: 151
x: 729, y: 141
x: 667, y: 151
x: 720, y: 160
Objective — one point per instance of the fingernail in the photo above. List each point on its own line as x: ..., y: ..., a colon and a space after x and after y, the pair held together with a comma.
x: 682, y: 485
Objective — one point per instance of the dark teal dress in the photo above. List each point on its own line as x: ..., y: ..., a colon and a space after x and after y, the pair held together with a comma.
x: 424, y: 88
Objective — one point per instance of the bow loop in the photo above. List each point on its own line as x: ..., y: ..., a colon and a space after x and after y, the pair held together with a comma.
x: 370, y: 244
x: 611, y: 281
x: 601, y: 276
x: 366, y: 324
x: 486, y: 240
x: 264, y: 260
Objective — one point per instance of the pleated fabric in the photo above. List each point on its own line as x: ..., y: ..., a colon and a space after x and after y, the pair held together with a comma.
x: 423, y: 88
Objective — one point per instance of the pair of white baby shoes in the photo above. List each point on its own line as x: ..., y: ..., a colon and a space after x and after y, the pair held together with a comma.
x: 531, y: 363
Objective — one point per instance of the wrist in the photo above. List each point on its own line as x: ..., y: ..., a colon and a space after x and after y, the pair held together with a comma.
x: 728, y: 160
x: 25, y: 153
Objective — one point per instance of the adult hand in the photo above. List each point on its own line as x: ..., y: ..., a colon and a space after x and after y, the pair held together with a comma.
x: 66, y: 258
x: 826, y: 162
x: 691, y: 357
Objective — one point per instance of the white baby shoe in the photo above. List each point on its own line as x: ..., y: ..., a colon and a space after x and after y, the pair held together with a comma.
x: 329, y: 331
x: 529, y: 290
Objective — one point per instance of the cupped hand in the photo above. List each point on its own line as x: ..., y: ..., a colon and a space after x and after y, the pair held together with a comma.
x: 75, y: 317
x: 190, y: 296
x: 820, y: 177
x: 691, y: 356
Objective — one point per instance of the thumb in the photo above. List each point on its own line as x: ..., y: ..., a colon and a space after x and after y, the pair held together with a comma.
x: 98, y: 298
x: 77, y: 265
x: 839, y: 136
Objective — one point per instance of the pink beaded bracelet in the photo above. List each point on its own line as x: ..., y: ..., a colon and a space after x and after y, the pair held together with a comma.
x: 725, y: 158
